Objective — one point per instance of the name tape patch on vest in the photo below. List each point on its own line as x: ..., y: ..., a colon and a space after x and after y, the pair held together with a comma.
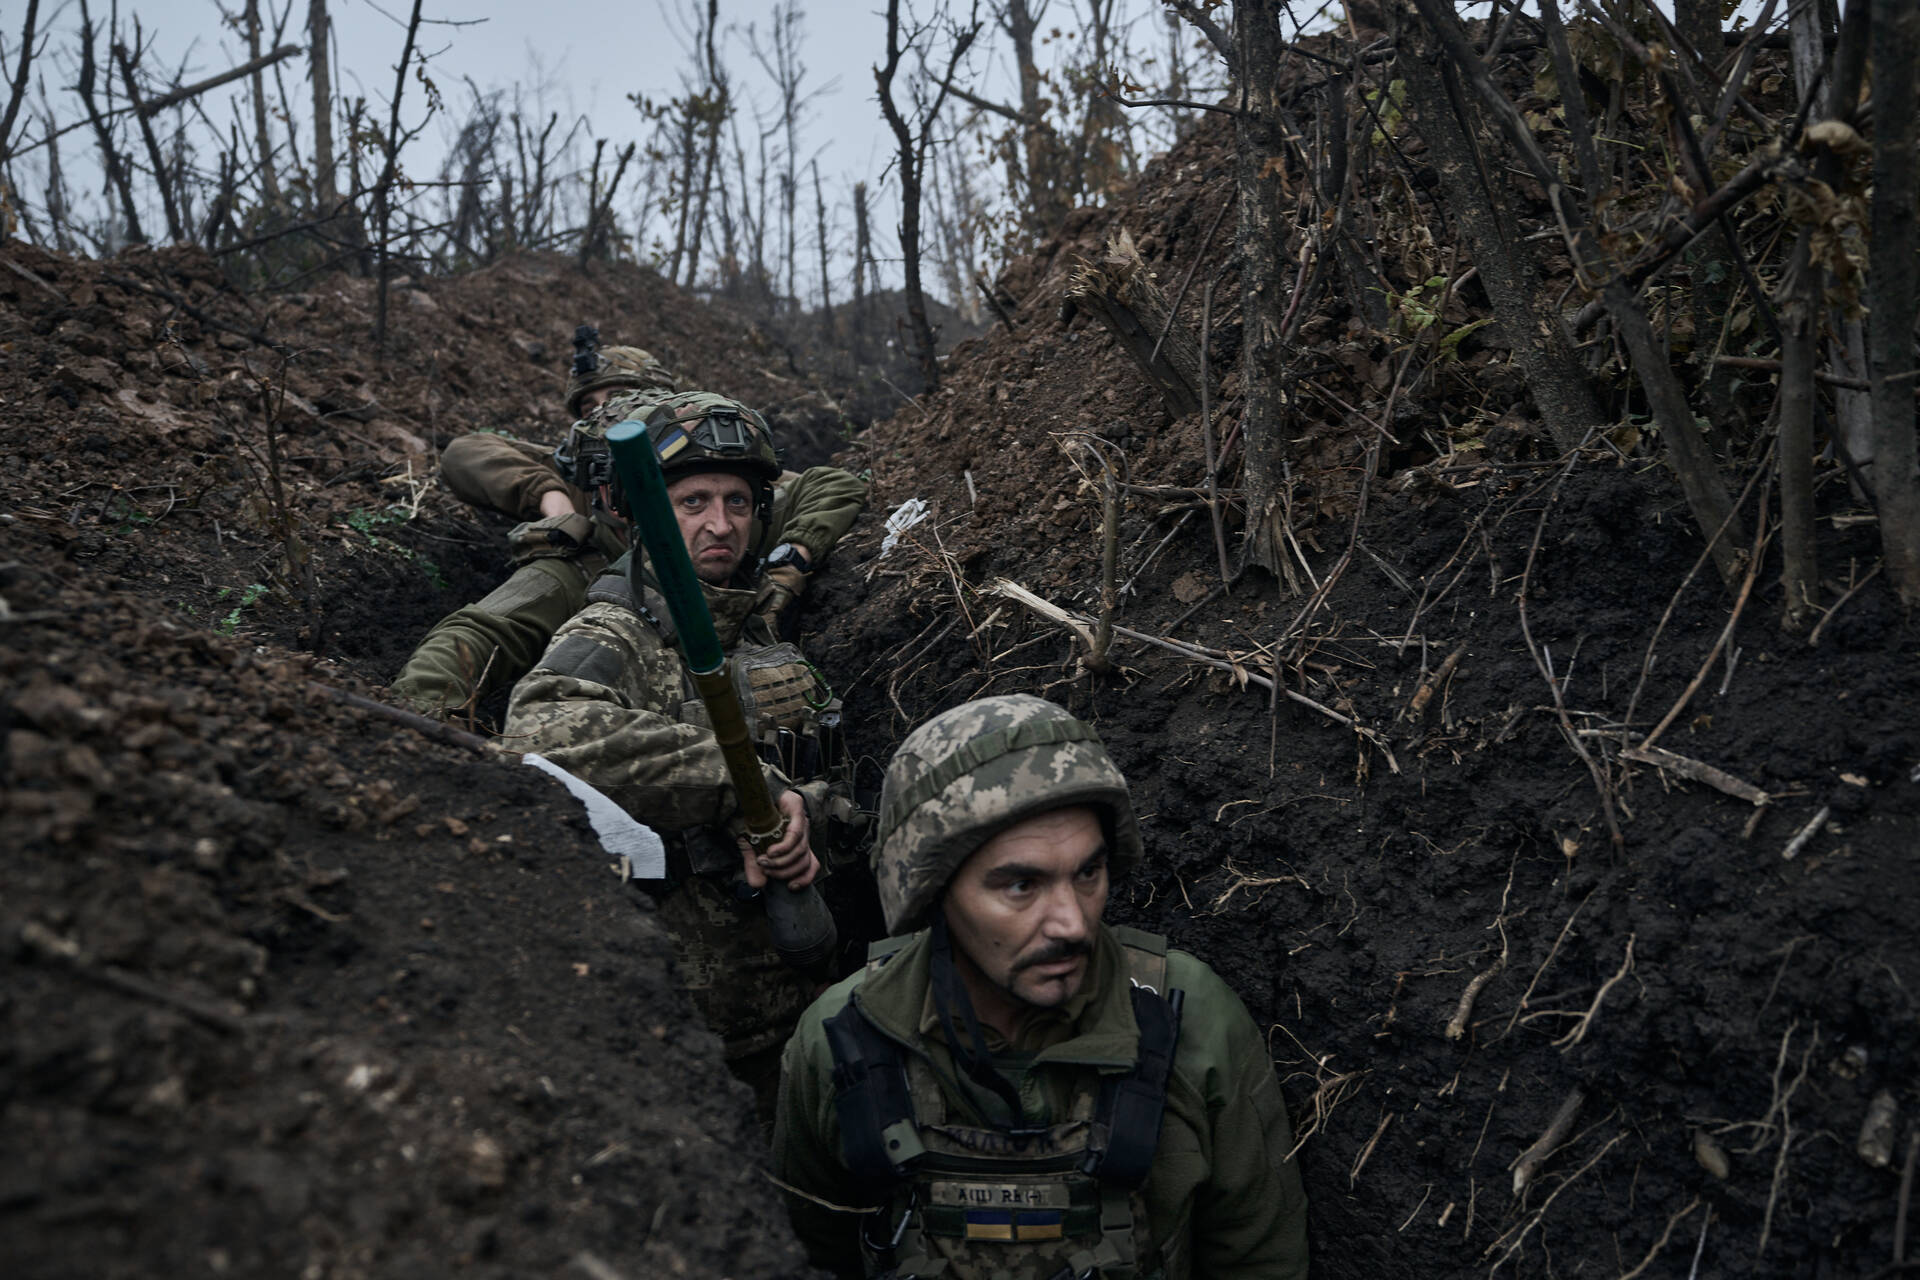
x: 1002, y: 1195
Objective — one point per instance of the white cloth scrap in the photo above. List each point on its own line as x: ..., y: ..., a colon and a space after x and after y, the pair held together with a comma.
x: 642, y: 855
x: 904, y: 517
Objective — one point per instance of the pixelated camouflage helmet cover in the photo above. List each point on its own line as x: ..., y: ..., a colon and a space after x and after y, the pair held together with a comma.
x: 973, y: 771
x: 630, y: 368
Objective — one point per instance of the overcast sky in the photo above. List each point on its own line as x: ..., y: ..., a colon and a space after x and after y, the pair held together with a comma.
x: 578, y: 60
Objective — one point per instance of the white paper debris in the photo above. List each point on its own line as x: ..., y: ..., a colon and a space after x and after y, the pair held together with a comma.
x: 642, y: 856
x: 904, y: 517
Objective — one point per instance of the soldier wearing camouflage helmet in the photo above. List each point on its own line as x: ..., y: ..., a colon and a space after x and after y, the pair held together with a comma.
x: 1022, y: 1089
x: 611, y: 702
x: 567, y: 537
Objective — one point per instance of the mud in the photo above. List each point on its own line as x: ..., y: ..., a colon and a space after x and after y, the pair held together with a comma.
x: 290, y: 990
x: 1354, y: 889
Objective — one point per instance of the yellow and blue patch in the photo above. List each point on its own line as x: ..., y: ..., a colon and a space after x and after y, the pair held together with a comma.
x: 1015, y: 1225
x: 670, y: 443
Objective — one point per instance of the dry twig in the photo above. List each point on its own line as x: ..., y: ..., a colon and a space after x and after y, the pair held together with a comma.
x: 1585, y: 1024
x: 1718, y: 779
x: 1660, y: 1245
x: 1804, y: 837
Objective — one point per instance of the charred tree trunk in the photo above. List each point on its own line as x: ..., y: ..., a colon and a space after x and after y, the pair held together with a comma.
x: 1040, y: 145
x: 17, y: 90
x: 912, y: 164
x: 319, y: 57
x: 1896, y: 457
x: 110, y: 158
x: 820, y: 230
x: 1120, y: 290
x: 263, y: 139
x: 1513, y: 278
x: 383, y: 190
x: 862, y: 251
x: 154, y: 158
x: 1803, y: 304
x: 1711, y: 259
x: 1262, y: 245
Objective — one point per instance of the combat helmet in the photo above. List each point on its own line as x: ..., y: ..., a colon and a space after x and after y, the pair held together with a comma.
x: 626, y: 368
x: 973, y: 771
x: 691, y: 431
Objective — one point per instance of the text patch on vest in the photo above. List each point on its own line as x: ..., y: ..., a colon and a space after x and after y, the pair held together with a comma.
x: 1002, y: 1195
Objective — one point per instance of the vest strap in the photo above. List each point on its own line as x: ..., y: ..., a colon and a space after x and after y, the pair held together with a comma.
x: 1131, y: 1105
x: 877, y: 1133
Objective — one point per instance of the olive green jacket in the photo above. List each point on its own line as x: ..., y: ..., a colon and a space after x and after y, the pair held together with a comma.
x: 1223, y: 1200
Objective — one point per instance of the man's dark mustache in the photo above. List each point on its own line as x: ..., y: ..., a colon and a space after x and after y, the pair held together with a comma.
x: 1053, y: 952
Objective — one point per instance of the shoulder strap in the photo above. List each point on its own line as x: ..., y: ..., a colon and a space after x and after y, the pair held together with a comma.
x: 614, y: 587
x: 1131, y: 1105
x: 878, y: 953
x: 878, y: 1137
x: 1146, y: 956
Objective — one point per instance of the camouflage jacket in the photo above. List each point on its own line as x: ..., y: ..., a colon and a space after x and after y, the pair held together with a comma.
x: 1223, y: 1200
x: 605, y: 705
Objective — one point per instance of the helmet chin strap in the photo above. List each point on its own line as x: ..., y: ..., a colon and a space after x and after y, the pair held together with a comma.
x: 949, y: 994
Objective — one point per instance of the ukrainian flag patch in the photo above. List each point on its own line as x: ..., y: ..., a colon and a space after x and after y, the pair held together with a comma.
x: 1039, y: 1224
x: 989, y: 1224
x: 1004, y: 1224
x: 671, y: 443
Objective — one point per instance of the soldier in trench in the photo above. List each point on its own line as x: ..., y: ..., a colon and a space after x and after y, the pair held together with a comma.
x: 568, y: 537
x: 1021, y: 1089
x: 611, y: 703
x: 563, y: 543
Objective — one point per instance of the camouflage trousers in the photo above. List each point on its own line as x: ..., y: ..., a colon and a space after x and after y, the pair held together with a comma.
x: 487, y: 646
x: 727, y: 964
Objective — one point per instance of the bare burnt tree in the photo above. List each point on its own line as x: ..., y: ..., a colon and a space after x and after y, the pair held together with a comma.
x: 1895, y: 291
x: 779, y: 57
x: 57, y: 217
x: 320, y: 70
x: 1802, y: 301
x: 862, y: 258
x: 536, y: 207
x: 392, y: 141
x: 826, y: 253
x: 118, y: 174
x: 162, y: 176
x: 1258, y: 144
x: 911, y: 141
x: 17, y: 86
x: 1481, y: 196
x: 469, y: 169
x: 263, y: 137
x: 718, y: 107
x: 1623, y: 214
x: 596, y: 240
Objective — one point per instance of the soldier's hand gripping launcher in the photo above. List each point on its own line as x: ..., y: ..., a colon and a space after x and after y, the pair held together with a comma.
x: 803, y: 928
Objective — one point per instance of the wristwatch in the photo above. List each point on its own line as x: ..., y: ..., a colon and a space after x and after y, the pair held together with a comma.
x: 788, y: 553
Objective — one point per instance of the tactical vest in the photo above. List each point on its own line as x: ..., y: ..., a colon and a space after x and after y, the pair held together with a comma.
x: 793, y: 715
x: 982, y: 1203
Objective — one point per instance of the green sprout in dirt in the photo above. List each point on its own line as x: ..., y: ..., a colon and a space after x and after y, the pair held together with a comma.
x: 364, y: 520
x: 250, y: 595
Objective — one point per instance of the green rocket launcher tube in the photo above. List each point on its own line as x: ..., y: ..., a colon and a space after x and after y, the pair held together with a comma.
x: 712, y: 675
x: 802, y: 927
